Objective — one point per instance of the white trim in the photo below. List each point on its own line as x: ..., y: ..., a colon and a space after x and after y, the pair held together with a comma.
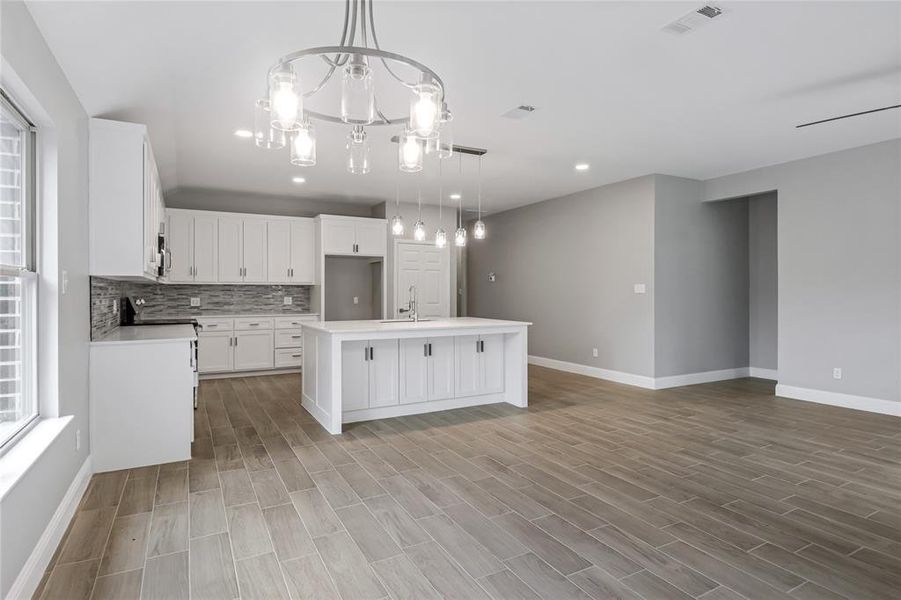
x: 761, y: 373
x: 230, y: 374
x: 662, y: 383
x: 418, y: 408
x: 641, y: 381
x: 30, y: 576
x: 876, y: 405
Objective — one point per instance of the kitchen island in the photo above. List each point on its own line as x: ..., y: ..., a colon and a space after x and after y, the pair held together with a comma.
x: 363, y: 370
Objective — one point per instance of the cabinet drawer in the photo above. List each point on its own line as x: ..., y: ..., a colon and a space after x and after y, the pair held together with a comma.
x: 288, y: 338
x: 288, y: 357
x: 210, y: 324
x: 294, y: 322
x: 252, y: 324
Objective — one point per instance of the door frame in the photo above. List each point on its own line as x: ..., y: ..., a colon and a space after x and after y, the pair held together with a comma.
x: 398, y: 242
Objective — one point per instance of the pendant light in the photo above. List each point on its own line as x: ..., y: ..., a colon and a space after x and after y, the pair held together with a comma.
x: 303, y: 146
x: 357, y: 92
x: 409, y: 152
x: 397, y: 221
x: 264, y: 134
x: 478, y: 230
x: 419, y: 226
x: 358, y: 151
x: 440, y: 235
x: 285, y: 99
x: 460, y: 234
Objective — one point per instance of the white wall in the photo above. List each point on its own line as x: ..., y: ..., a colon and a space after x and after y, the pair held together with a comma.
x: 32, y: 73
x: 839, y: 268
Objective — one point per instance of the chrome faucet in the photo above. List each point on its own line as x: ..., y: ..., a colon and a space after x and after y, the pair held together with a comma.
x: 411, y: 305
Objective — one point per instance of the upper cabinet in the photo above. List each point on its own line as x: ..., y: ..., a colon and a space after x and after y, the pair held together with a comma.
x: 291, y: 251
x: 191, y: 254
x: 353, y: 236
x: 242, y: 250
x: 126, y: 202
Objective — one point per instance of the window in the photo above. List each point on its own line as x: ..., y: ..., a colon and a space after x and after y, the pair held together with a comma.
x: 18, y: 276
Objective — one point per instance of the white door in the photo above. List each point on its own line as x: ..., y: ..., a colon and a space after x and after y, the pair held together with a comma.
x: 205, y: 249
x: 414, y: 366
x: 428, y: 268
x: 253, y: 350
x: 278, y: 253
x: 338, y: 237
x: 303, y: 251
x: 371, y: 238
x: 354, y: 375
x: 254, y: 251
x: 214, y: 352
x: 492, y: 359
x: 382, y: 373
x: 180, y: 244
x: 468, y: 366
x: 441, y: 368
x: 230, y: 238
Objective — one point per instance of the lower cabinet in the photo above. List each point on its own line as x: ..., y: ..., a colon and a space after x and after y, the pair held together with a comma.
x: 369, y: 374
x: 426, y: 369
x: 254, y: 343
x: 479, y: 365
x: 253, y: 350
x: 214, y: 352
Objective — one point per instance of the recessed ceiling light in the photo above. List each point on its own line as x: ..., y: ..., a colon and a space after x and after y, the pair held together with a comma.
x: 299, y: 179
x: 582, y: 166
x: 243, y: 133
x: 455, y: 196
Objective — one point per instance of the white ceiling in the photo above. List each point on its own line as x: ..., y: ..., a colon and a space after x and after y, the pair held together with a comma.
x: 611, y: 88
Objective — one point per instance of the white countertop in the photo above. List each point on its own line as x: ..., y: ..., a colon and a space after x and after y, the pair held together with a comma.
x: 148, y: 333
x: 232, y: 315
x: 375, y: 326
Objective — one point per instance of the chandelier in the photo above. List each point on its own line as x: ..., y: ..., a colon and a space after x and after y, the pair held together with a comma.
x: 367, y: 72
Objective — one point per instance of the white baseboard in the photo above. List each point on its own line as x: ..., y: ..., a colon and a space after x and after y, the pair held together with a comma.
x: 671, y: 381
x: 641, y: 381
x: 30, y: 576
x: 418, y: 408
x: 876, y: 405
x: 762, y: 373
x: 230, y: 374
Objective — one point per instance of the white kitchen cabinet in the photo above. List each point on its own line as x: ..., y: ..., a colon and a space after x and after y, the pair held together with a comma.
x: 382, y: 373
x: 191, y: 248
x: 279, y: 251
x: 371, y: 237
x: 206, y: 251
x: 291, y: 251
x: 215, y: 352
x: 426, y: 369
x: 338, y: 236
x: 353, y: 236
x: 254, y: 251
x: 441, y: 368
x: 369, y: 376
x: 479, y: 365
x: 230, y: 241
x: 355, y: 375
x: 253, y: 350
x: 492, y: 358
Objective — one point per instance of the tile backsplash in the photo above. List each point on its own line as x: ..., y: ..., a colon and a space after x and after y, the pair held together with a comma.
x: 174, y: 300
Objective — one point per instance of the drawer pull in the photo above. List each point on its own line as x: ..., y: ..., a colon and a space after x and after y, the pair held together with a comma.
x: 295, y: 337
x: 211, y: 325
x: 295, y: 356
x: 253, y: 324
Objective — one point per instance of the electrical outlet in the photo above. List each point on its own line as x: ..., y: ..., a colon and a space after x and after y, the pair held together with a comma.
x: 195, y: 301
x: 356, y: 299
x: 640, y: 288
x: 287, y: 300
x: 837, y: 373
x: 492, y: 277
x: 77, y: 440
x: 594, y: 352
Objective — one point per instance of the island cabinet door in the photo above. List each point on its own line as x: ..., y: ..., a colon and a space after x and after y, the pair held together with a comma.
x: 441, y: 368
x: 414, y: 364
x: 468, y: 366
x: 492, y: 357
x: 354, y: 375
x: 383, y: 369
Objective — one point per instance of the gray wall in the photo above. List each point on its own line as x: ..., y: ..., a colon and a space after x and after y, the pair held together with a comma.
x: 242, y: 202
x: 700, y: 280
x: 763, y: 291
x: 29, y: 68
x: 346, y: 277
x: 839, y: 271
x: 568, y: 265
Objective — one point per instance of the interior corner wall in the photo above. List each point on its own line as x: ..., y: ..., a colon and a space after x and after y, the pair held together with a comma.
x: 263, y: 204
x: 700, y: 280
x: 763, y: 289
x: 64, y: 318
x: 568, y: 265
x: 839, y: 262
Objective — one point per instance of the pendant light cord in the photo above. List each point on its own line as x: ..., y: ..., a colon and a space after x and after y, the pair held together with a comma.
x: 460, y: 199
x: 440, y: 190
x: 480, y: 188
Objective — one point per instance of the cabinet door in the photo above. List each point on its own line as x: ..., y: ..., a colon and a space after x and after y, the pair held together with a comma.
x: 278, y: 252
x: 354, y: 375
x: 180, y: 244
x: 254, y: 251
x: 229, y: 242
x: 492, y: 359
x: 214, y: 352
x: 303, y: 251
x: 338, y: 237
x: 253, y: 350
x: 205, y: 248
x: 413, y: 371
x: 441, y: 368
x: 383, y: 373
x: 468, y: 372
x: 371, y: 238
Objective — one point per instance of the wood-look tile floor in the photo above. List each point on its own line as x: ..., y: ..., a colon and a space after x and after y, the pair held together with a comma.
x: 597, y: 490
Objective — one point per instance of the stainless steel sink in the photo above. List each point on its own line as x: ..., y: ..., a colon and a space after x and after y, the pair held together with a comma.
x: 405, y: 321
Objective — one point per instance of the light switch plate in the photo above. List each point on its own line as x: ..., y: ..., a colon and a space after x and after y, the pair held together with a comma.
x: 287, y: 300
x: 837, y: 373
x: 594, y: 352
x: 356, y: 299
x: 640, y: 288
x: 195, y: 301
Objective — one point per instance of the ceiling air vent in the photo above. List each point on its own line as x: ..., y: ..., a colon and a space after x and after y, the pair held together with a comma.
x: 693, y: 20
x: 520, y: 112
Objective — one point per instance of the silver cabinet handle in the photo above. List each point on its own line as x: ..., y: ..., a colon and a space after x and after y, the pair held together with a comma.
x: 236, y: 341
x: 211, y: 325
x: 371, y: 353
x: 425, y: 349
x: 253, y: 324
x: 295, y: 356
x: 295, y: 337
x: 365, y: 352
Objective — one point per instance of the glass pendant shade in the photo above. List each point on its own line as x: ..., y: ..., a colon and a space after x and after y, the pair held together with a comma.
x: 440, y: 238
x: 410, y: 153
x: 460, y: 236
x: 446, y: 133
x: 397, y: 225
x: 303, y: 146
x: 357, y: 93
x: 264, y: 135
x: 285, y: 100
x: 358, y: 148
x: 419, y: 231
x: 425, y: 111
x: 478, y: 230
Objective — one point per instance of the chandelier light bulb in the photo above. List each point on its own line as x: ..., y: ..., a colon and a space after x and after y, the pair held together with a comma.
x: 357, y: 92
x: 410, y: 153
x: 460, y: 236
x: 285, y: 102
x: 440, y: 238
x: 478, y: 230
x: 425, y: 110
x: 358, y: 148
x: 419, y: 231
x: 397, y: 225
x: 303, y: 146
